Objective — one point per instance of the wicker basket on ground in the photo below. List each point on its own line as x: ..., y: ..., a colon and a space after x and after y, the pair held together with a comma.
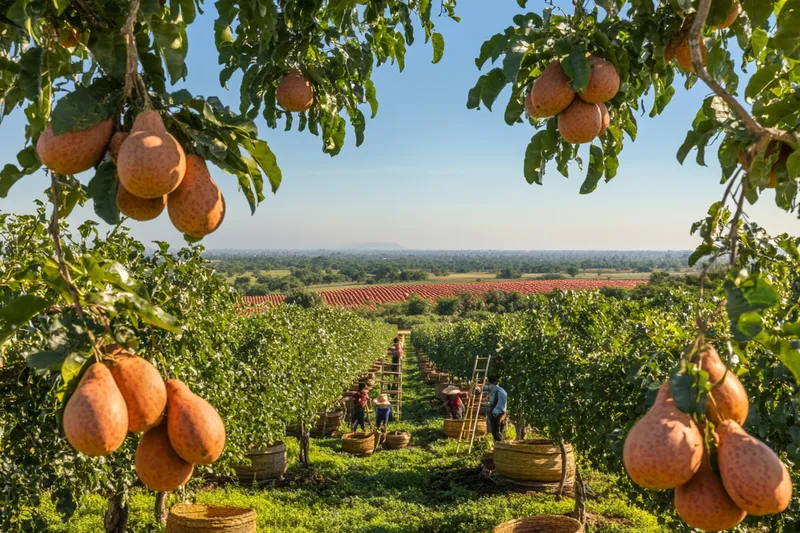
x: 188, y: 518
x: 452, y: 428
x: 361, y: 444
x: 431, y: 377
x: 396, y: 440
x: 533, y: 460
x: 541, y: 524
x: 326, y: 425
x: 265, y: 465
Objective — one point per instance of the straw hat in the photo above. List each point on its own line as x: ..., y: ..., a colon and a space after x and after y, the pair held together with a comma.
x: 451, y: 390
x: 382, y: 401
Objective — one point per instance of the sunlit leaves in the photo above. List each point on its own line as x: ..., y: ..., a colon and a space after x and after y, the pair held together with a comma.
x: 19, y: 310
x: 438, y: 47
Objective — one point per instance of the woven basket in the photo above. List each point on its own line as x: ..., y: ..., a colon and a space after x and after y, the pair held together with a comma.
x: 326, y: 425
x: 361, y: 444
x: 452, y: 428
x: 533, y: 460
x: 265, y: 465
x: 186, y: 518
x: 541, y: 524
x: 397, y: 440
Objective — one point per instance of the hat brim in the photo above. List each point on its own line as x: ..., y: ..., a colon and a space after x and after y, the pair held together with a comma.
x: 387, y: 404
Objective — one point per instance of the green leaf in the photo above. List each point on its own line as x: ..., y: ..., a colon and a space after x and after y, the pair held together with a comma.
x: 438, y: 47
x: 535, y: 159
x: 494, y: 83
x: 30, y: 73
x: 576, y: 65
x: 173, y: 46
x: 758, y: 11
x: 85, y: 107
x: 788, y: 35
x: 596, y: 170
x: 265, y: 158
x: 762, y: 80
x: 102, y: 189
x: 50, y: 360
x: 18, y: 311
x: 514, y: 56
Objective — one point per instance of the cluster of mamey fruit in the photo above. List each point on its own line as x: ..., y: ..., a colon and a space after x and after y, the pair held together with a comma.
x: 582, y: 117
x: 680, y: 49
x: 126, y: 394
x: 667, y: 450
x: 154, y: 172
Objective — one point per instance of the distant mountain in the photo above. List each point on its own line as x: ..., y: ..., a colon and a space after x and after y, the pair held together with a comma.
x: 372, y: 246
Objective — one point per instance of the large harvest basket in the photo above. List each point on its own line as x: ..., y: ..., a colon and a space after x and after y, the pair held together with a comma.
x: 397, y: 440
x: 361, y: 444
x: 326, y: 425
x: 533, y: 460
x: 265, y: 465
x: 452, y: 428
x: 188, y: 518
x: 541, y: 524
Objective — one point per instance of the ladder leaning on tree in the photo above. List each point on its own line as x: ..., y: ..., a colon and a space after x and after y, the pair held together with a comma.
x: 391, y: 382
x: 475, y: 401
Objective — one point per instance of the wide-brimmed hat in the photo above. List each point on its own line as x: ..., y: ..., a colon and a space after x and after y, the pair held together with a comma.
x: 451, y: 390
x: 382, y: 401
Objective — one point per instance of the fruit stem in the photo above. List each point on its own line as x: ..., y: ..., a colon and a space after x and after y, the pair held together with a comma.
x: 131, y: 71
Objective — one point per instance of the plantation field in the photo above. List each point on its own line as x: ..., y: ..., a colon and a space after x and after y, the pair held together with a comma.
x: 359, y: 296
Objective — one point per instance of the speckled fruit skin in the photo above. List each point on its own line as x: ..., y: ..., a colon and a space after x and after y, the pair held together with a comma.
x: 149, y: 121
x: 754, y: 477
x: 141, y: 209
x: 703, y: 503
x: 730, y: 398
x: 605, y: 119
x: 551, y: 93
x: 151, y: 163
x: 530, y: 107
x: 143, y: 389
x: 679, y: 49
x: 196, y: 430
x: 74, y: 151
x: 580, y: 122
x: 736, y: 9
x: 664, y: 449
x: 603, y: 84
x: 197, y: 206
x: 157, y: 464
x: 294, y: 93
x: 96, y: 418
x: 115, y: 144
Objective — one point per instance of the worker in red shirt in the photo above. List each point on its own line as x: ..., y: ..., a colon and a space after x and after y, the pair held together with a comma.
x: 360, y: 401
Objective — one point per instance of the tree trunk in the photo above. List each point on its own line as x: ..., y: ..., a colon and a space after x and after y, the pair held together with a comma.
x: 116, y: 518
x: 161, y: 507
x: 563, y: 470
x: 519, y: 425
x: 304, y: 440
x: 580, y: 501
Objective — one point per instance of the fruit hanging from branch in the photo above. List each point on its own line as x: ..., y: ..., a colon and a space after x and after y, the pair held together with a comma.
x: 141, y: 209
x: 73, y: 152
x: 196, y: 207
x: 157, y: 464
x: 196, y: 430
x: 142, y: 387
x: 294, y: 92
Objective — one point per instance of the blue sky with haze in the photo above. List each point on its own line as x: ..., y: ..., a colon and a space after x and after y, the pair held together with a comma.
x: 434, y: 175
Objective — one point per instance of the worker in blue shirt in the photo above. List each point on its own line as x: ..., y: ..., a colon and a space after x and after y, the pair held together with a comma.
x: 496, y: 411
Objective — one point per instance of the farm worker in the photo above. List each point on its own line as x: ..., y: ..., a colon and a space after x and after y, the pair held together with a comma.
x: 496, y: 411
x: 360, y: 400
x: 383, y: 412
x: 454, y: 404
x: 397, y: 352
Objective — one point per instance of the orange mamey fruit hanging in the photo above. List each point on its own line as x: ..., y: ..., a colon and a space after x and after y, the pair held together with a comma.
x: 703, y: 503
x: 754, y: 477
x: 196, y: 430
x: 606, y: 119
x: 143, y: 389
x: 157, y: 464
x: 70, y: 38
x: 74, y: 151
x: 551, y: 93
x: 197, y: 206
x: 530, y: 108
x: 141, y: 209
x: 664, y: 449
x: 96, y: 418
x: 115, y: 144
x: 151, y: 163
x: 730, y: 398
x: 603, y: 84
x: 580, y: 122
x: 736, y: 9
x: 294, y: 93
x: 682, y: 51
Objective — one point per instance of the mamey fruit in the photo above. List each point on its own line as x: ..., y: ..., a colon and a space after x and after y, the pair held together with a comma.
x: 70, y: 38
x: 196, y: 430
x: 603, y: 84
x: 530, y: 108
x: 729, y: 397
x: 74, y: 151
x: 580, y: 122
x: 197, y: 206
x: 151, y: 163
x: 664, y: 449
x: 680, y: 49
x: 140, y: 209
x: 754, y: 477
x: 703, y: 503
x: 551, y: 93
x: 96, y: 418
x: 143, y: 389
x: 736, y: 9
x: 157, y: 464
x: 605, y: 119
x: 115, y: 144
x: 294, y: 93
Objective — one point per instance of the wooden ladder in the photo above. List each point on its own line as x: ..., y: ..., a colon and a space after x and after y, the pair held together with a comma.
x: 475, y: 401
x: 391, y: 383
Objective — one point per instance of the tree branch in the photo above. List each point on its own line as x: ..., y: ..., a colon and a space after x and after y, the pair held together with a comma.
x: 132, y: 64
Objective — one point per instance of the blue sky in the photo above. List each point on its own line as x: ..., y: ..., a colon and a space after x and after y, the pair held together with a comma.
x: 434, y: 175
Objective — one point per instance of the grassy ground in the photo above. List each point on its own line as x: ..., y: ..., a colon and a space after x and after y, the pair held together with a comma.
x: 425, y: 488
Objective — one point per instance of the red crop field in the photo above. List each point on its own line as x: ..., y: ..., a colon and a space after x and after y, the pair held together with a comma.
x: 360, y: 296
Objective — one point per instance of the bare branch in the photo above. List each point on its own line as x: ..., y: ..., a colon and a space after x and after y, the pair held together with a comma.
x: 132, y: 66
